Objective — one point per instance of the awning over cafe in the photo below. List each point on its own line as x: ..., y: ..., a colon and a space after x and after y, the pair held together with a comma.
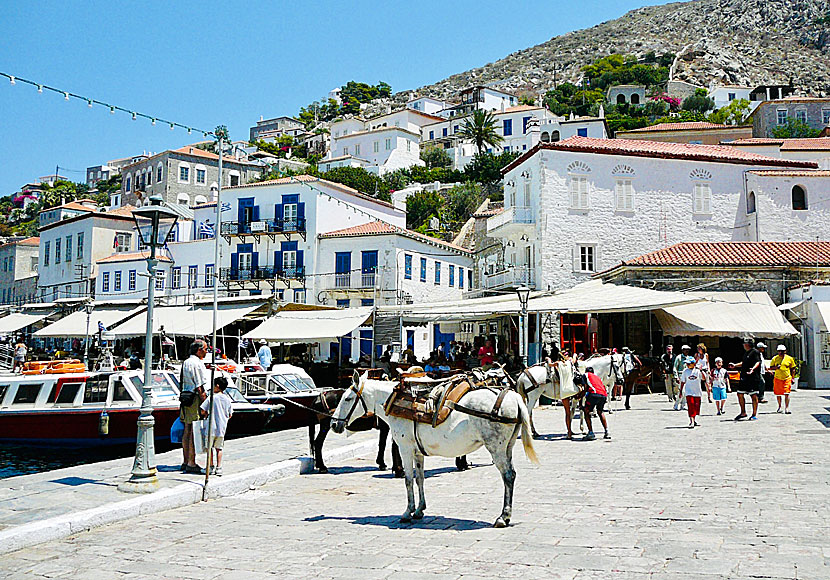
x: 75, y: 324
x: 308, y: 326
x: 17, y: 320
x: 193, y: 321
x: 732, y: 314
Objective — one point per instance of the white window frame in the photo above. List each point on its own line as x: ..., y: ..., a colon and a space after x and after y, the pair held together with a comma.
x: 580, y: 192
x: 161, y: 276
x: 377, y: 146
x: 527, y: 196
x: 209, y: 276
x: 357, y: 149
x: 203, y: 170
x: 825, y: 117
x: 778, y: 116
x: 184, y: 169
x: 116, y: 281
x: 624, y: 193
x: 159, y: 172
x: 585, y: 258
x: 124, y: 242
x: 131, y: 280
x: 176, y: 278
x: 105, y: 282
x: 702, y: 198
x: 801, y: 115
x: 388, y: 143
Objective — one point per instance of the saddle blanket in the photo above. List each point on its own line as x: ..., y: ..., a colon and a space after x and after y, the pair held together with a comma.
x: 426, y: 406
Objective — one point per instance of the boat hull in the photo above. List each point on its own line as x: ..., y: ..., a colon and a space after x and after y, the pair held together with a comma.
x: 296, y: 413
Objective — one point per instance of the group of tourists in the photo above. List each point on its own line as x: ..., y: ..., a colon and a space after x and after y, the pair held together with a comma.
x: 689, y: 376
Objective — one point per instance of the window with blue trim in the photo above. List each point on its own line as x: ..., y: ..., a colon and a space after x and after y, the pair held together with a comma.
x: 343, y: 302
x: 460, y: 277
x: 367, y: 301
x: 432, y: 134
x: 582, y: 131
x: 105, y: 282
x: 437, y: 272
x: 444, y: 132
x: 452, y: 276
x: 508, y: 127
x: 423, y: 269
x: 407, y: 266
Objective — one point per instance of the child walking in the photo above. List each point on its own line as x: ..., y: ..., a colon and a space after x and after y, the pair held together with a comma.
x: 219, y: 415
x: 720, y: 385
x: 691, y: 385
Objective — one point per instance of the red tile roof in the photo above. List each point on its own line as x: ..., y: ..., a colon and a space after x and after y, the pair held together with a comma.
x: 738, y: 254
x: 688, y: 126
x: 379, y: 228
x: 754, y: 141
x: 791, y: 173
x: 131, y: 256
x: 488, y: 212
x: 33, y: 241
x: 662, y: 150
x: 814, y: 144
x: 73, y: 205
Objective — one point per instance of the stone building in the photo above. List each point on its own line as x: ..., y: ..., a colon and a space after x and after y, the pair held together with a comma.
x: 813, y: 111
x: 627, y: 94
x: 18, y: 271
x: 183, y: 175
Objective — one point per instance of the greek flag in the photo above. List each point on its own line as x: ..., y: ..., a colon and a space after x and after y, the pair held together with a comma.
x: 226, y: 206
x: 205, y: 230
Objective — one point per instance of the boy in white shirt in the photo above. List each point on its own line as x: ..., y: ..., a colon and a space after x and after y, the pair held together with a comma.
x: 691, y: 386
x: 219, y: 415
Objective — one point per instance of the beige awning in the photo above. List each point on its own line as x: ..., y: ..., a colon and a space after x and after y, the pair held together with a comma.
x: 75, y: 324
x: 193, y: 321
x: 17, y: 320
x: 307, y: 326
x: 732, y: 314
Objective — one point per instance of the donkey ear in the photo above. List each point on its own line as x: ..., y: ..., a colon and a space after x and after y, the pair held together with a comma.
x: 356, y: 377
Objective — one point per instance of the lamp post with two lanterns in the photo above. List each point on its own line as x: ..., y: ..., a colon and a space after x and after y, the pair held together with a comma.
x: 154, y: 222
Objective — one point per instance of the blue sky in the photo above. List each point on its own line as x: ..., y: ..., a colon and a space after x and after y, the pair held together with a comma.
x: 210, y: 63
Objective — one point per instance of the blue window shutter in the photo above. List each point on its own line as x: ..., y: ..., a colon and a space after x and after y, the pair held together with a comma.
x: 525, y: 121
x: 582, y: 132
x: 254, y: 260
x: 278, y: 259
x: 255, y: 216
x: 278, y: 211
x: 234, y: 263
x: 299, y: 258
x: 301, y: 210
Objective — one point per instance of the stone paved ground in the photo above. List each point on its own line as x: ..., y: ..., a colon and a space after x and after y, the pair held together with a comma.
x: 38, y: 496
x: 727, y: 500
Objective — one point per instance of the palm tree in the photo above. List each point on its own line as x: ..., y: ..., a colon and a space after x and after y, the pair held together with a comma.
x: 481, y: 129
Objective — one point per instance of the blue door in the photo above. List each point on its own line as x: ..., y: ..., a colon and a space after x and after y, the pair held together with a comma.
x: 410, y: 339
x: 366, y: 343
x: 368, y: 267
x: 247, y: 213
x: 346, y: 343
x: 443, y: 338
x: 342, y: 269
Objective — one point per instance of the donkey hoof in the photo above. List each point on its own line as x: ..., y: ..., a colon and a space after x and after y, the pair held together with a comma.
x: 418, y: 516
x: 406, y: 519
x: 500, y: 523
x: 323, y: 469
x: 397, y: 473
x: 537, y: 436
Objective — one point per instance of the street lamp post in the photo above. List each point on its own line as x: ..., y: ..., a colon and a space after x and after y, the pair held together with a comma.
x: 88, y: 310
x: 523, y: 293
x: 153, y: 223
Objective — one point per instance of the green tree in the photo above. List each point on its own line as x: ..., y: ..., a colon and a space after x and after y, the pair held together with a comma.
x: 421, y: 206
x: 480, y: 128
x: 735, y: 113
x: 435, y: 157
x: 794, y: 129
x: 485, y: 168
x: 698, y: 102
x: 460, y: 203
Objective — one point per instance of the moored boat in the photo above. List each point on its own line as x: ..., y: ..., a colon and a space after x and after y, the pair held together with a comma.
x: 102, y: 407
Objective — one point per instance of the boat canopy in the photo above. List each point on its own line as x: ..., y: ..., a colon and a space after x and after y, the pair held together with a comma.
x: 308, y: 326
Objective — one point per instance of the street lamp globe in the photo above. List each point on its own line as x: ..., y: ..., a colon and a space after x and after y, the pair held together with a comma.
x: 523, y: 293
x: 154, y: 223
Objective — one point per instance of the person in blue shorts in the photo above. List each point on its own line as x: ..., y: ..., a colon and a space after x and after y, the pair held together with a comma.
x: 720, y: 385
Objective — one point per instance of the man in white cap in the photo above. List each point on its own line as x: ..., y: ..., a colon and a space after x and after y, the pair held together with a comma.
x: 264, y: 355
x: 679, y: 367
x: 765, y: 378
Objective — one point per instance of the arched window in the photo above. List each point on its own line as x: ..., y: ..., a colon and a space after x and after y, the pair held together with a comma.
x: 621, y: 99
x: 750, y: 202
x: 635, y: 99
x: 555, y: 136
x: 127, y: 184
x: 545, y: 137
x: 200, y: 199
x: 183, y: 198
x: 799, y: 198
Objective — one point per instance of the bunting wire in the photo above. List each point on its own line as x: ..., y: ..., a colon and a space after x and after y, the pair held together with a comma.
x: 68, y: 95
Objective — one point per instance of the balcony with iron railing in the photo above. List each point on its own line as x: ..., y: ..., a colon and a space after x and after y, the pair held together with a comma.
x: 514, y: 219
x: 239, y: 276
x: 511, y: 277
x: 272, y: 227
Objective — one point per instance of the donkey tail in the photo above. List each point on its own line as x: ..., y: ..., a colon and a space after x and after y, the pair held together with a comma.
x: 527, y: 438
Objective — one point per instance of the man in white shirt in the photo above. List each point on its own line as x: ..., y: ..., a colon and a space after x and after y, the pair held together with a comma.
x: 193, y: 380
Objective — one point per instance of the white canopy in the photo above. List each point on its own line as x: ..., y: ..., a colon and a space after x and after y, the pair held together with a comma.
x: 824, y: 311
x: 17, y: 320
x: 726, y: 314
x: 184, y: 320
x: 76, y: 323
x: 591, y: 296
x: 306, y: 326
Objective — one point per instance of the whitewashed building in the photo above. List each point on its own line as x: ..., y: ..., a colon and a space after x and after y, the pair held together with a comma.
x: 581, y: 205
x: 722, y: 95
x: 430, y: 106
x: 813, y: 149
x: 810, y: 302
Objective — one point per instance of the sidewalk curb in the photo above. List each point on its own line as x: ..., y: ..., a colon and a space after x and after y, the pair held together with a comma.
x: 181, y: 495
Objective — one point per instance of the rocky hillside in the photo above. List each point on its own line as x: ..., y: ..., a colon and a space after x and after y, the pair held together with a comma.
x: 746, y: 42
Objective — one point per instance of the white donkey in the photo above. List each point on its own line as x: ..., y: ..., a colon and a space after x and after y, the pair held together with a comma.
x: 554, y: 380
x: 465, y: 430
